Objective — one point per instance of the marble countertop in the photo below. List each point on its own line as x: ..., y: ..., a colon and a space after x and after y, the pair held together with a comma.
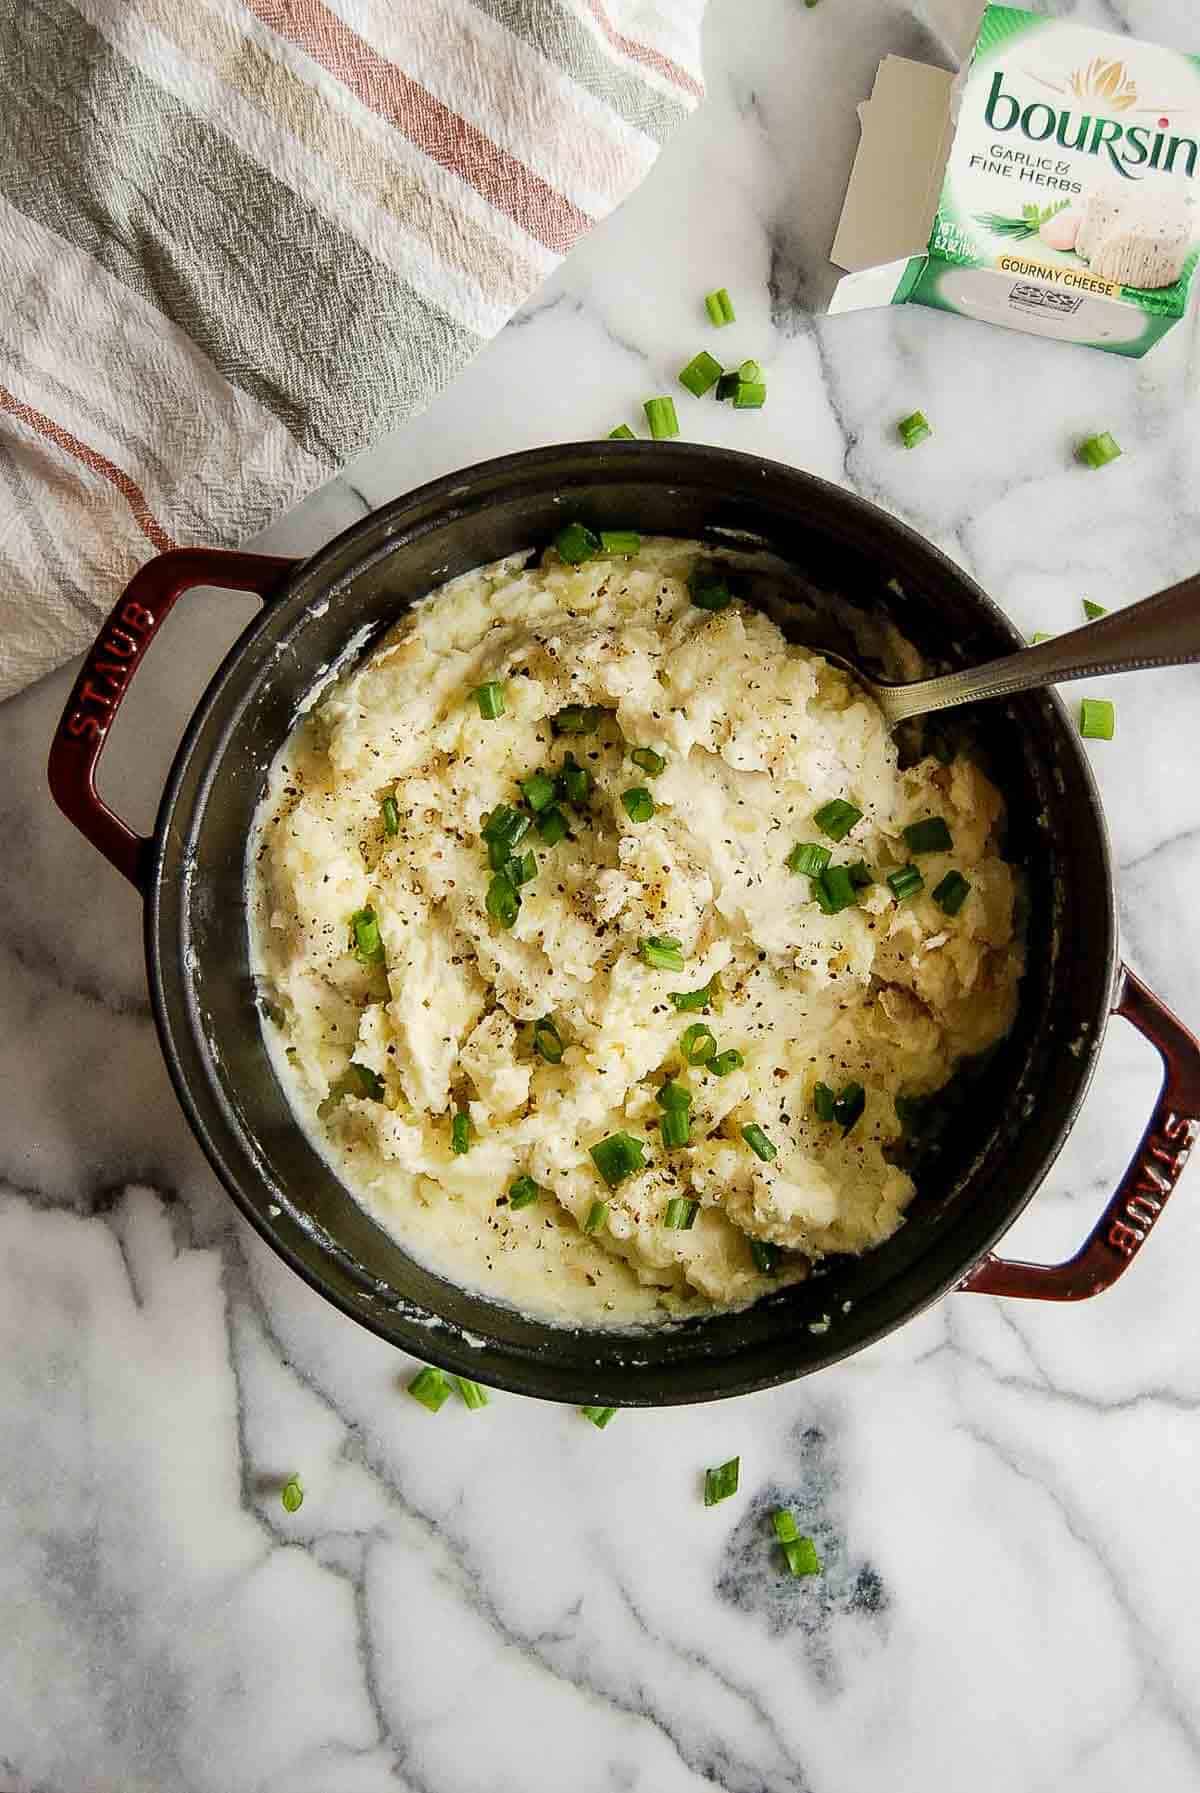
x: 1004, y: 1494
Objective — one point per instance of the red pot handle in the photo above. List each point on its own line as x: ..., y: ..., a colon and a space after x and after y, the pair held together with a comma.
x: 1157, y: 1165
x: 106, y: 673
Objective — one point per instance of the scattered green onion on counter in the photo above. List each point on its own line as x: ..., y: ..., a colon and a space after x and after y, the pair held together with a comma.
x: 599, y: 1416
x: 719, y: 307
x: 617, y: 1157
x: 928, y: 836
x: 725, y: 1062
x: 914, y: 428
x: 622, y: 433
x: 720, y: 1483
x: 808, y: 857
x: 697, y: 1043
x: 837, y: 818
x: 1038, y: 636
x: 681, y: 1214
x: 786, y: 1529
x: 638, y: 803
x: 431, y: 1388
x: 597, y: 1217
x: 292, y: 1495
x: 1098, y: 451
x: 523, y: 1193
x: 391, y: 816
x: 577, y: 543
x: 765, y: 1255
x: 701, y: 374
x: 749, y: 395
x: 619, y: 542
x: 758, y: 1142
x: 801, y: 1553
x: 473, y: 1397
x: 651, y: 763
x: 951, y: 893
x: 365, y: 937
x: 660, y: 415
x: 906, y: 882
x: 727, y: 385
x: 1092, y: 610
x: 661, y: 952
x: 547, y: 1041
x: 490, y: 698
x: 1097, y: 719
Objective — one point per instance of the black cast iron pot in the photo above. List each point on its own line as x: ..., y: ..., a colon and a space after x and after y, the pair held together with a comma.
x: 994, y: 1154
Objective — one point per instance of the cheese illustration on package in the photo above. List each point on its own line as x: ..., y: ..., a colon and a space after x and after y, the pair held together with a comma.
x: 1068, y: 162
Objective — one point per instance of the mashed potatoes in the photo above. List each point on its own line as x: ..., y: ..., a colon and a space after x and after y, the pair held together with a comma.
x: 449, y: 1034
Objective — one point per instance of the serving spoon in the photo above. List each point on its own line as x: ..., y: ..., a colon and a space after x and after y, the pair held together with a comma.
x: 1159, y: 631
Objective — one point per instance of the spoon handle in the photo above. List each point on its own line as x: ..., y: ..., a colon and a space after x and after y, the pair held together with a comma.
x: 1159, y: 631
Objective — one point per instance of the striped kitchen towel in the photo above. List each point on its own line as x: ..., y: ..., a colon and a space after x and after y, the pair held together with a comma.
x: 240, y: 239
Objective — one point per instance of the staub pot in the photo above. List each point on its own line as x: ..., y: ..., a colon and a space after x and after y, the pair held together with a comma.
x: 991, y: 1158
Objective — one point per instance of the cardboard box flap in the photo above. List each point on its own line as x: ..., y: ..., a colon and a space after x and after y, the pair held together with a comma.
x: 897, y: 174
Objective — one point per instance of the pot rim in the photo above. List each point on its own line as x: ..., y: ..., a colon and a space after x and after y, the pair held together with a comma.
x: 441, y: 1342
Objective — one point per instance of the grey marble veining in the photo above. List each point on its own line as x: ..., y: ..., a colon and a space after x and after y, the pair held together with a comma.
x: 1005, y: 1495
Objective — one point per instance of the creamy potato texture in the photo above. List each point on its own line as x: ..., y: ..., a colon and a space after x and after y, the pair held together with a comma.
x: 384, y: 1028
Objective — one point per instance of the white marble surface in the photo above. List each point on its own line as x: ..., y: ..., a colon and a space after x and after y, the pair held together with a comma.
x: 1005, y: 1495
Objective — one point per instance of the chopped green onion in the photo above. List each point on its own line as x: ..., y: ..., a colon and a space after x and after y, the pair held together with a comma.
x: 503, y: 900
x: 727, y: 385
x: 391, y: 816
x: 929, y: 836
x: 914, y: 428
x: 365, y: 937
x: 355, y: 1080
x: 1038, y: 637
x: 651, y: 763
x: 674, y: 1094
x: 639, y: 804
x: 719, y: 307
x: 552, y: 826
x: 505, y: 827
x: 725, y: 1062
x: 951, y: 893
x: 599, y: 1416
x: 809, y: 858
x: 836, y: 819
x: 617, y: 1157
x: 720, y: 1483
x: 660, y: 415
x: 574, y: 781
x: 547, y: 1041
x: 765, y: 1255
x: 758, y: 1142
x: 681, y: 1214
x: 749, y: 395
x: 577, y: 719
x: 675, y: 1127
x: 661, y: 953
x: 1097, y: 719
x: 906, y: 882
x: 824, y: 1102
x: 1098, y: 451
x: 697, y: 1043
x: 709, y: 589
x: 597, y: 1217
x: 802, y: 1558
x: 523, y: 1193
x: 861, y: 875
x: 685, y: 1001
x: 522, y: 870
x: 490, y: 698
x: 460, y: 1132
x: 848, y: 1108
x: 430, y: 1387
x: 1092, y: 611
x: 620, y: 541
x: 834, y: 890
x: 292, y: 1495
x: 701, y: 373
x: 577, y: 543
x: 622, y: 433
x: 786, y: 1529
x: 538, y: 791
x: 750, y: 370
x: 473, y: 1397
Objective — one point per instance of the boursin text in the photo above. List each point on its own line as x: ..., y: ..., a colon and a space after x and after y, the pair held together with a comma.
x: 108, y: 670
x: 1131, y: 149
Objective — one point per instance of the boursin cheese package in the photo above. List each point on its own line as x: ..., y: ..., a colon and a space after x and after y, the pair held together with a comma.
x: 1051, y: 188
